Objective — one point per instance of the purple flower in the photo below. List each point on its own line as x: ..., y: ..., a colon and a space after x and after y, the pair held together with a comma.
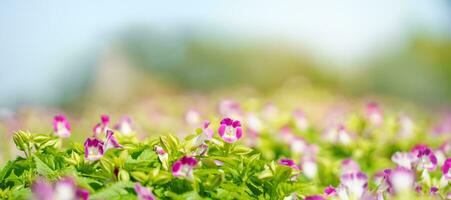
x: 426, y: 158
x: 297, y: 144
x: 446, y: 169
x: 374, y: 114
x: 402, y: 179
x: 300, y: 120
x: 382, y: 180
x: 143, y: 192
x: 349, y: 166
x: 101, y: 127
x: 330, y: 191
x: 338, y: 135
x: 124, y: 126
x: 93, y: 149
x: 404, y: 159
x: 314, y: 197
x: 64, y: 189
x: 433, y: 190
x: 184, y: 167
x: 288, y: 163
x: 111, y: 141
x: 230, y: 130
x: 61, y: 126
x: 352, y: 185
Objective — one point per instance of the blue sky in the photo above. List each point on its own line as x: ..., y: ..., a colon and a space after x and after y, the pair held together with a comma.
x: 39, y: 37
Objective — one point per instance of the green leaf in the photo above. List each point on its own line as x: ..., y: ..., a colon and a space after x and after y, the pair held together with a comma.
x: 242, y: 150
x: 42, y: 168
x: 114, y: 191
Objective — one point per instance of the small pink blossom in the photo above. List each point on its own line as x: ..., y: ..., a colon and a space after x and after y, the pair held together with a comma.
x: 402, y: 179
x: 230, y: 130
x: 205, y: 135
x: 352, y: 185
x: 192, y: 117
x: 426, y: 158
x: 300, y: 120
x: 288, y: 163
x: 330, y: 191
x: 61, y: 126
x: 446, y: 169
x: 338, y: 135
x: 314, y: 197
x: 143, y: 192
x: 93, y: 149
x: 404, y: 159
x: 229, y: 108
x: 124, y: 126
x: 111, y: 141
x: 349, y: 166
x: 374, y: 114
x: 183, y: 168
x: 63, y: 189
x: 101, y: 128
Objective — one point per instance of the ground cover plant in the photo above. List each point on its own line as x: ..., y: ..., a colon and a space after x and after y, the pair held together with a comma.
x: 258, y: 153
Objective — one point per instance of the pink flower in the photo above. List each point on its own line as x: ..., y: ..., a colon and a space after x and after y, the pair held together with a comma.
x: 446, y: 169
x: 229, y: 108
x: 230, y: 130
x: 288, y: 163
x: 402, y: 179
x: 352, y: 185
x: 297, y: 145
x: 338, y: 135
x: 374, y: 114
x: 404, y: 159
x: 349, y: 166
x: 162, y: 155
x: 206, y: 135
x: 254, y: 124
x: 330, y: 191
x: 382, y: 180
x: 192, y: 117
x: 314, y: 197
x: 61, y: 126
x: 111, y: 141
x: 183, y: 168
x: 270, y: 112
x: 308, y: 161
x: 300, y: 120
x: 63, y: 189
x: 93, y: 149
x: 101, y: 127
x: 143, y: 192
x: 124, y: 126
x: 426, y: 158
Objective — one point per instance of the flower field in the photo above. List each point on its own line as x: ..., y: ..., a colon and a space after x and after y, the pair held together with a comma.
x: 241, y: 151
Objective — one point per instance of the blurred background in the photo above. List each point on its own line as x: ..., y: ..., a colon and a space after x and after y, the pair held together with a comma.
x: 55, y: 53
x: 73, y: 55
